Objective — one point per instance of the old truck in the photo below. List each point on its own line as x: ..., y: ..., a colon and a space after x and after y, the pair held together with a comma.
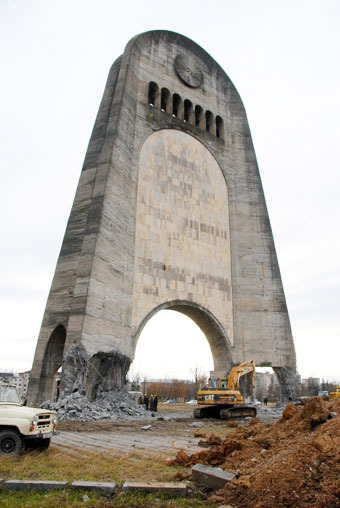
x: 23, y: 427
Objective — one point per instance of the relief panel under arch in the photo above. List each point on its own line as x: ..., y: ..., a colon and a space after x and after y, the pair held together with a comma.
x: 182, y: 244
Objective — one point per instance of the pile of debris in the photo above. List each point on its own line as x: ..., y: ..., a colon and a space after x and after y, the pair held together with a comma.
x: 111, y: 405
x: 269, y: 414
x: 293, y: 462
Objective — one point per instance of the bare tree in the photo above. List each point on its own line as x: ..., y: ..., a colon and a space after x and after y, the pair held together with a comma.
x: 199, y: 378
x: 135, y: 380
x: 144, y: 383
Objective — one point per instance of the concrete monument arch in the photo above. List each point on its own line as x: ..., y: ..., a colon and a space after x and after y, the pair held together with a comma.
x: 169, y: 208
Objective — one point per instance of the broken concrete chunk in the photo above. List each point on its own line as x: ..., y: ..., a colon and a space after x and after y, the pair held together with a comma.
x: 196, y: 424
x: 210, y: 477
x: 146, y: 427
x: 174, y: 489
x: 108, y: 405
x: 42, y: 485
x: 94, y: 486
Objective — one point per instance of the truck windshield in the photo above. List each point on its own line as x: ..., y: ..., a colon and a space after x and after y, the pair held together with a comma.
x: 9, y: 394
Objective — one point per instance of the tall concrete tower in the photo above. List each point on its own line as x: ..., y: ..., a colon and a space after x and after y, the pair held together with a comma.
x: 169, y: 213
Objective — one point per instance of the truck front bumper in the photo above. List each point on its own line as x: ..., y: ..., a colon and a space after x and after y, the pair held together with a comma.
x: 43, y: 435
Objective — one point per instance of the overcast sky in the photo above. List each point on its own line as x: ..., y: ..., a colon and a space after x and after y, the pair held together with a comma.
x: 282, y: 56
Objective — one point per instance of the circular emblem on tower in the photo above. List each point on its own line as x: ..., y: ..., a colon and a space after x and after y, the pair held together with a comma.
x: 188, y: 71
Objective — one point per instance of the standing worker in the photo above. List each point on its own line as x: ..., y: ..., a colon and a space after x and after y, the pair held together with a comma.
x: 151, y: 403
x: 155, y: 402
x: 146, y: 401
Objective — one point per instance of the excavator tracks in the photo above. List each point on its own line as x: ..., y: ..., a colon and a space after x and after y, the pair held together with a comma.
x: 231, y: 413
x: 207, y: 412
x: 226, y: 413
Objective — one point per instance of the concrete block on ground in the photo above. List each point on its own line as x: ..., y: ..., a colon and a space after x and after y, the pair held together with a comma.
x: 175, y: 489
x: 94, y: 486
x: 34, y: 485
x: 210, y: 477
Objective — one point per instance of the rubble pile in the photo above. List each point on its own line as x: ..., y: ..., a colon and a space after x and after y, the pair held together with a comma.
x: 294, y: 462
x: 111, y: 405
x: 269, y: 414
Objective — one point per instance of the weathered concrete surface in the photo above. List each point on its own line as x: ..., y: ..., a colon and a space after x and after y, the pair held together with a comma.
x: 210, y: 477
x: 42, y: 485
x: 287, y: 377
x: 174, y: 489
x: 94, y: 486
x: 169, y: 213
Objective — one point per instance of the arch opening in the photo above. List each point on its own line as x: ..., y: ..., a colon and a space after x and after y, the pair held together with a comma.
x: 52, y: 362
x: 209, y: 122
x: 199, y: 117
x: 177, y: 104
x: 165, y: 100
x: 183, y: 340
x: 153, y: 93
x: 188, y: 111
x: 219, y: 128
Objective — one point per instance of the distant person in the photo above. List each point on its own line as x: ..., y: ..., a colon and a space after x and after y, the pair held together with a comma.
x: 146, y: 401
x: 151, y: 403
x: 155, y: 402
x: 265, y: 401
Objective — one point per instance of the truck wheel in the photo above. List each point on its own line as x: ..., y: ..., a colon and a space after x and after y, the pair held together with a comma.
x: 37, y: 445
x: 44, y: 445
x: 10, y: 442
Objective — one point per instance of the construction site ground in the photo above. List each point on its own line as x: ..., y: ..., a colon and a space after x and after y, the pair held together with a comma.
x: 279, y: 461
x: 170, y: 432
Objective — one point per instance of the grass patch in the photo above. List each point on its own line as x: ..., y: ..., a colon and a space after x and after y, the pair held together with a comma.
x: 66, y: 498
x: 55, y: 464
x: 72, y: 464
x: 60, y: 465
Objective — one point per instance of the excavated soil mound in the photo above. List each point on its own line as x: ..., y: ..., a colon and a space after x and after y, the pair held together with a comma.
x: 294, y: 462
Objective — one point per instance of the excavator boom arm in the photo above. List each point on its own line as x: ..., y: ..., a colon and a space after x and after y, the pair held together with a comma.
x: 241, y: 370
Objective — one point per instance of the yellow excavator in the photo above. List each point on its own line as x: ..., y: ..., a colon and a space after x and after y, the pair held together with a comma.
x: 334, y: 395
x: 222, y: 398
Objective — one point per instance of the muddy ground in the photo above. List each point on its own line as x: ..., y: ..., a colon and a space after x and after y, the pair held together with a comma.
x: 168, y: 431
x: 294, y: 462
x: 165, y: 433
